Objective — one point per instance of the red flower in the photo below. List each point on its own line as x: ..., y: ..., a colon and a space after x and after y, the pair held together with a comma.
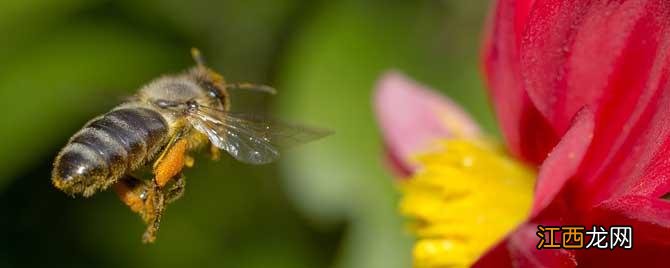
x: 581, y: 90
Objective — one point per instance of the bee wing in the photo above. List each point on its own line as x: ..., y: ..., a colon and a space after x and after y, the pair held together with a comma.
x: 251, y: 139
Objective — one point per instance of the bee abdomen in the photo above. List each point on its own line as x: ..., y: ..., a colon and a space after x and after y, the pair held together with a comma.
x: 138, y: 131
x: 107, y: 148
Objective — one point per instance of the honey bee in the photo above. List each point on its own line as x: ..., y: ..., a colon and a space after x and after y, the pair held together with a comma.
x: 156, y: 130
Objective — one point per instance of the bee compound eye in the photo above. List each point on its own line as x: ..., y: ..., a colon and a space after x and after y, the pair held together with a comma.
x: 212, y: 90
x: 214, y: 93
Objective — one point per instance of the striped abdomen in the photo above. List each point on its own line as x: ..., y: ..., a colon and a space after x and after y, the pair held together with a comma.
x: 107, y: 148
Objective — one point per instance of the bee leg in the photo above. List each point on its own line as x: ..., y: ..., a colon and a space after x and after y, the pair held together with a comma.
x: 159, y: 197
x: 155, y: 207
x: 171, y: 162
x: 189, y: 161
x: 176, y: 190
x: 214, y: 152
x: 167, y: 167
x: 133, y: 192
x: 144, y: 198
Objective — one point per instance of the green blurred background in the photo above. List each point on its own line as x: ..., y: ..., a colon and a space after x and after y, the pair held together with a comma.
x: 327, y: 204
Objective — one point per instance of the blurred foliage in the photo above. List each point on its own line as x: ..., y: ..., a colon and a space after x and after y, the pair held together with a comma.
x: 330, y: 203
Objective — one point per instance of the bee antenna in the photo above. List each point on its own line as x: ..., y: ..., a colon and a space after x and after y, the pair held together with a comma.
x: 253, y: 87
x: 197, y: 57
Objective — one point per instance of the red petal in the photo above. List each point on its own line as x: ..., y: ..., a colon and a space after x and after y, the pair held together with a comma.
x: 527, y: 133
x: 563, y: 162
x: 650, y: 219
x: 413, y: 118
x: 519, y: 249
x: 640, y: 166
x: 613, y: 57
x: 578, y: 53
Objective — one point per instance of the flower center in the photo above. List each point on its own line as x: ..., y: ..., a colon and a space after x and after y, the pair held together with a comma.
x: 463, y: 199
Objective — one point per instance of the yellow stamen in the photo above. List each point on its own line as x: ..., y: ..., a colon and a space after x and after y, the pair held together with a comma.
x: 463, y: 199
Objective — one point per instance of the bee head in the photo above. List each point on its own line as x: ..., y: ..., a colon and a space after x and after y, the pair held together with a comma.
x: 209, y: 80
x: 199, y: 84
